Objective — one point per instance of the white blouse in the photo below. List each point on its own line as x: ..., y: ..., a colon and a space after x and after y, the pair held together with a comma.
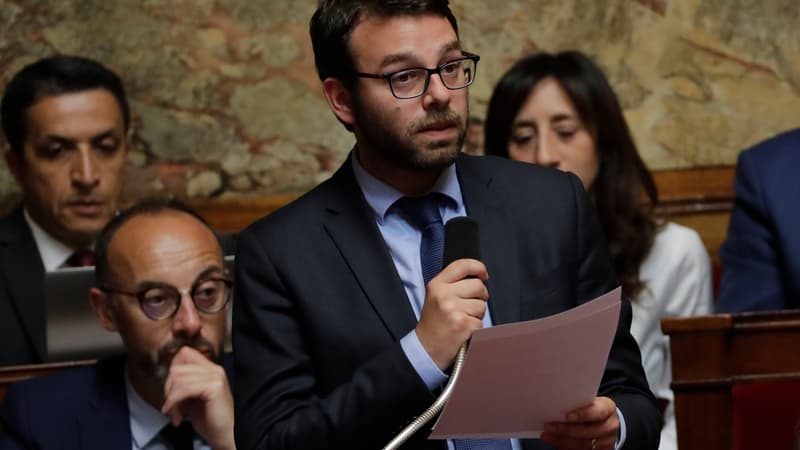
x: 677, y: 273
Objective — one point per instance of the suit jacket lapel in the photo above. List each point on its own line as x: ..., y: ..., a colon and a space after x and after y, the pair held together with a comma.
x: 352, y: 227
x: 106, y: 423
x: 484, y: 203
x: 23, y: 267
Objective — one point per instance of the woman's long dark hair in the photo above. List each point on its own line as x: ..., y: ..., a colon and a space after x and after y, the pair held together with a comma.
x: 626, y: 216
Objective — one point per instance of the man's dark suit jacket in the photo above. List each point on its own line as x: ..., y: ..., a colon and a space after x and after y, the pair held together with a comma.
x: 83, y: 408
x: 22, y: 322
x: 320, y: 309
x: 761, y: 255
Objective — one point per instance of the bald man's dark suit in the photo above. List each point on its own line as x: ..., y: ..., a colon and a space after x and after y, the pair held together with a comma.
x: 320, y: 308
x: 22, y: 323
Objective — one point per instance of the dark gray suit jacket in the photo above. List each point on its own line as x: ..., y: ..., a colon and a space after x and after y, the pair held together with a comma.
x: 320, y: 309
x: 22, y: 322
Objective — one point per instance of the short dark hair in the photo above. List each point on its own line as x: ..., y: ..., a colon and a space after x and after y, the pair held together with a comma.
x: 334, y: 21
x: 622, y: 177
x: 149, y: 207
x: 55, y: 75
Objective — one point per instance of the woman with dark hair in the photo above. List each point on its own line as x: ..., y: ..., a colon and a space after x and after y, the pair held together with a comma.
x: 560, y: 111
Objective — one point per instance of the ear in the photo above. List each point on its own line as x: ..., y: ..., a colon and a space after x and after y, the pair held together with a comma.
x: 14, y: 162
x: 101, y: 304
x: 340, y: 100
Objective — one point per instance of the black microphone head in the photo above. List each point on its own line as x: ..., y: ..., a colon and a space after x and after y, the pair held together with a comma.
x: 461, y: 240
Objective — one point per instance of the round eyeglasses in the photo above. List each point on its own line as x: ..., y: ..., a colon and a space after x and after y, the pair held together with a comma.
x: 410, y: 83
x: 160, y: 301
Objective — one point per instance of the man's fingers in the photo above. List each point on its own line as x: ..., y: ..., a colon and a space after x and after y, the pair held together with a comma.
x: 175, y: 415
x: 471, y: 288
x: 186, y: 355
x: 581, y: 431
x: 475, y: 308
x: 463, y: 268
x: 596, y: 424
x: 600, y: 409
x: 192, y: 376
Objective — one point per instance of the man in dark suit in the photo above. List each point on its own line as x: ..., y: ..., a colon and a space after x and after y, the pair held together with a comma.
x: 761, y: 255
x: 162, y: 285
x: 66, y: 120
x: 340, y: 339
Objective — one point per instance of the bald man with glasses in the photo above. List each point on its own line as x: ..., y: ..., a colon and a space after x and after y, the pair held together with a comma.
x: 161, y: 283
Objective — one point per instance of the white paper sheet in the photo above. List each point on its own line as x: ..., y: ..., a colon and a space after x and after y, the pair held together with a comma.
x: 519, y: 376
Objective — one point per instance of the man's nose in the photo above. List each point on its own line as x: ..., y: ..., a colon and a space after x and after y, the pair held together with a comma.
x: 187, y: 319
x: 84, y: 170
x: 437, y: 94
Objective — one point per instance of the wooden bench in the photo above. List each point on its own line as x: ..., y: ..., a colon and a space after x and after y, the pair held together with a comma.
x: 725, y: 369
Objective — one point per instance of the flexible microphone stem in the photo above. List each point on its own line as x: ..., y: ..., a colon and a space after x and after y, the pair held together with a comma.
x: 435, y: 408
x: 460, y: 241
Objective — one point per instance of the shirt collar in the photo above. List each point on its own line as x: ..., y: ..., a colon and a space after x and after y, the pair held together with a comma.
x: 53, y: 252
x: 146, y: 421
x: 380, y: 196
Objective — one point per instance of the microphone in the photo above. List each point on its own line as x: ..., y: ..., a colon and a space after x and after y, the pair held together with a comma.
x: 461, y: 240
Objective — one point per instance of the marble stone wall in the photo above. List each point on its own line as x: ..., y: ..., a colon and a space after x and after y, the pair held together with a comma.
x: 226, y: 100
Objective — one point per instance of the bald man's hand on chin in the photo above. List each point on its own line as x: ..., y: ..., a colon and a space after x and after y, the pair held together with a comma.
x: 198, y: 389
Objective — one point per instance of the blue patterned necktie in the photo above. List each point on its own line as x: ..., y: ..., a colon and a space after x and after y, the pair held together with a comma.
x: 423, y: 213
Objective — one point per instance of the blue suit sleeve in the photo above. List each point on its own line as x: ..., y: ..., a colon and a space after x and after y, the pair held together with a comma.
x: 751, y: 262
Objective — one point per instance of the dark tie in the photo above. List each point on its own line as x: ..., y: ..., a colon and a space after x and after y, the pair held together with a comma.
x: 81, y: 258
x: 423, y: 213
x: 180, y: 437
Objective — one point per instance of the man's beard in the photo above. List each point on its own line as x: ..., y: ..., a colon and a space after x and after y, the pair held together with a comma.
x: 399, y: 146
x: 158, y: 365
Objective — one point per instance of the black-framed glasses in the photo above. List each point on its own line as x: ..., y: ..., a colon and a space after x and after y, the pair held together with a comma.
x: 160, y: 301
x: 410, y: 83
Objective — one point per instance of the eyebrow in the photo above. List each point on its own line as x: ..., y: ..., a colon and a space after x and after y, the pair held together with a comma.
x: 409, y: 56
x: 111, y: 132
x: 210, y: 270
x: 104, y: 135
x: 556, y: 118
x: 204, y: 274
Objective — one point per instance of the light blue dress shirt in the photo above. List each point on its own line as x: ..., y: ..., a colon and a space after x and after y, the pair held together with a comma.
x: 147, y: 422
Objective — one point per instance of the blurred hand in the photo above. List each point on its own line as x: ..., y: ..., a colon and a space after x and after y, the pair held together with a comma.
x: 595, y: 426
x: 198, y: 389
x: 454, y: 307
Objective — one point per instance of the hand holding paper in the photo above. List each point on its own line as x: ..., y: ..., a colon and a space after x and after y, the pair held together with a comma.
x: 594, y: 426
